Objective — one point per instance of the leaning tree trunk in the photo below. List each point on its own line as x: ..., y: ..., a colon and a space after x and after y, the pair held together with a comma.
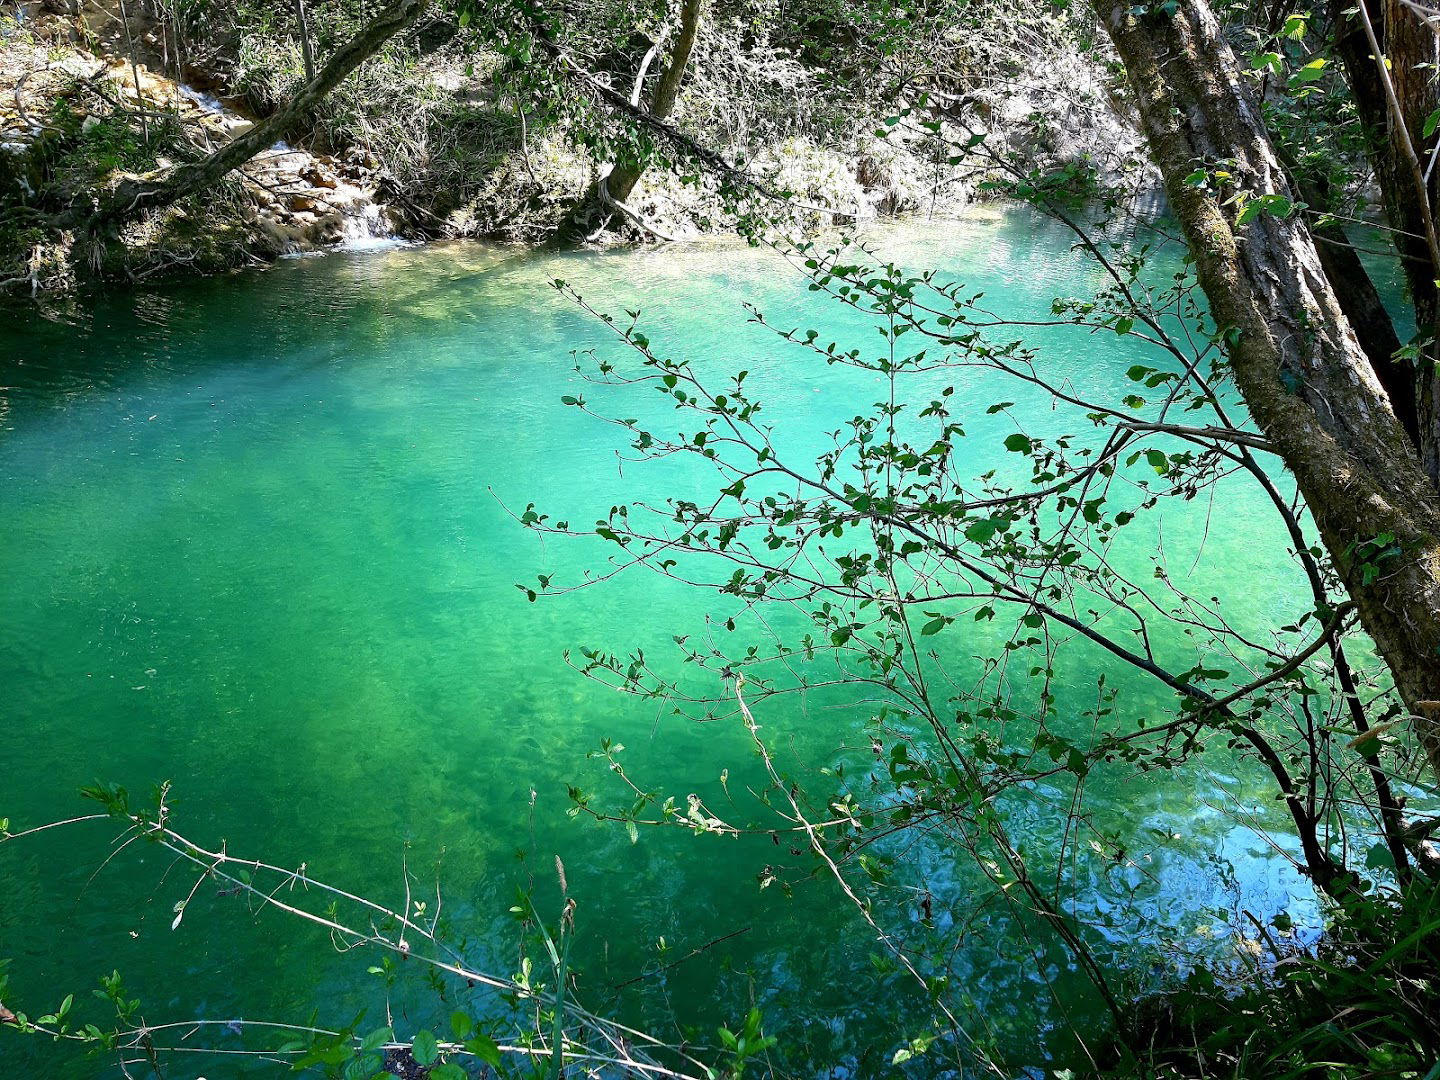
x: 307, y: 54
x: 1295, y: 357
x: 626, y: 174
x: 1359, y: 300
x: 1407, y: 57
x: 131, y: 198
x: 612, y: 190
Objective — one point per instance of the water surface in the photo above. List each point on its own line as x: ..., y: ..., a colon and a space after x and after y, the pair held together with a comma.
x: 256, y: 542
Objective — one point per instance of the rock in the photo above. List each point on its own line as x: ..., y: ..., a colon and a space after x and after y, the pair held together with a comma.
x: 301, y: 202
x: 90, y: 123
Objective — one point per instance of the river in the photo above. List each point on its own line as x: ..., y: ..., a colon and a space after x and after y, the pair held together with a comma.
x: 259, y: 541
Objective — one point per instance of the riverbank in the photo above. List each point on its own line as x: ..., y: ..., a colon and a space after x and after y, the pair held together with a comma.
x: 428, y: 140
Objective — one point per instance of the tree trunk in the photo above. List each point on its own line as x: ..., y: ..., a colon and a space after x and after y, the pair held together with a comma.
x: 135, y: 73
x: 1361, y: 303
x: 1358, y: 298
x: 614, y: 188
x: 1295, y: 357
x: 1410, y: 51
x: 1408, y: 45
x: 626, y: 174
x: 307, y: 54
x: 131, y: 198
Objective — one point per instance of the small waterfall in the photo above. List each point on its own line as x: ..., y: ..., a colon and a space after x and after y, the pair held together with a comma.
x: 366, y: 227
x: 206, y: 103
x: 312, y: 203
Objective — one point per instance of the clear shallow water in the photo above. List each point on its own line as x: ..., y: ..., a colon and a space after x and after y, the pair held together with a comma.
x: 254, y: 543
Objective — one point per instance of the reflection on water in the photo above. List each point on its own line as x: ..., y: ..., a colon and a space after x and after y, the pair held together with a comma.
x: 256, y: 542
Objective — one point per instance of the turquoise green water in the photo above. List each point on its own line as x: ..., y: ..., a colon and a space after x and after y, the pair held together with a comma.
x: 255, y: 542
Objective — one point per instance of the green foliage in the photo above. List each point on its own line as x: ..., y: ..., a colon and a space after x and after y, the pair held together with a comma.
x: 1362, y: 1002
x: 89, y: 144
x: 749, y: 1042
x: 1368, y: 558
x: 424, y: 1048
x: 885, y: 522
x: 889, y: 549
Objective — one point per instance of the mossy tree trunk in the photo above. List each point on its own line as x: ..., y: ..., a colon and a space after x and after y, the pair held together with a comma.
x: 1296, y: 358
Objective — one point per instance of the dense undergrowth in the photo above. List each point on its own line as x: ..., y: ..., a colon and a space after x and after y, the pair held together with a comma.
x: 1362, y: 1001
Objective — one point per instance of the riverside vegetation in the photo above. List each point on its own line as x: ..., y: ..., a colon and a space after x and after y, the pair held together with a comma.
x: 977, y: 558
x: 503, y: 123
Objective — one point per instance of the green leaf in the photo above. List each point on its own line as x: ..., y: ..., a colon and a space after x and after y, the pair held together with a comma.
x: 1379, y: 858
x: 1124, y: 325
x: 461, y: 1024
x: 484, y: 1047
x: 448, y: 1071
x: 1276, y: 205
x: 424, y: 1048
x: 981, y: 531
x: 1019, y: 444
x: 376, y: 1039
x: 1271, y: 60
x: 364, y: 1066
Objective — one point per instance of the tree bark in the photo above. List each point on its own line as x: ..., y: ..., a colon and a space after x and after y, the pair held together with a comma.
x: 1410, y: 51
x: 131, y: 198
x: 1408, y: 45
x: 1358, y: 297
x: 1361, y: 302
x: 1295, y: 356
